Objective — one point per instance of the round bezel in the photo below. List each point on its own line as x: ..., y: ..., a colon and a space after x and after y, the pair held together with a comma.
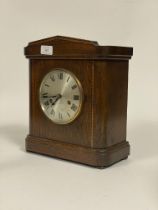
x: 77, y: 113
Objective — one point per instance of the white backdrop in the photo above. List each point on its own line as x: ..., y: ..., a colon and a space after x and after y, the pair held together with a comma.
x: 29, y: 181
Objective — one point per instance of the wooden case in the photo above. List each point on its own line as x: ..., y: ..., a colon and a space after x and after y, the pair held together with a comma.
x: 98, y: 136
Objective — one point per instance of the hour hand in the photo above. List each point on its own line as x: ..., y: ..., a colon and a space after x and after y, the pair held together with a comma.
x: 58, y: 96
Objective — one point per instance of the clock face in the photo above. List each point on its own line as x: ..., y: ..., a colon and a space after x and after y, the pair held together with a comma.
x: 61, y: 96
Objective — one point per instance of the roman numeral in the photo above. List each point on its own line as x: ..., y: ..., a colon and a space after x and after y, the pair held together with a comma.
x: 68, y: 78
x: 76, y: 97
x: 45, y: 95
x: 74, y: 107
x: 46, y: 103
x: 60, y: 116
x: 52, y: 112
x: 74, y: 86
x: 60, y: 75
x: 68, y: 114
x: 46, y: 85
x: 52, y: 78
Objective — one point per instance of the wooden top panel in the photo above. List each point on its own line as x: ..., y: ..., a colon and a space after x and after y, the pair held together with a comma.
x: 72, y: 48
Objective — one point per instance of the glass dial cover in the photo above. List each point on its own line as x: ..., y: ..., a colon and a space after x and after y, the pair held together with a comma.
x: 61, y: 96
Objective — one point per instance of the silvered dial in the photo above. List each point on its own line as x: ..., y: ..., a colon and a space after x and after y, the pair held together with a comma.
x: 61, y: 96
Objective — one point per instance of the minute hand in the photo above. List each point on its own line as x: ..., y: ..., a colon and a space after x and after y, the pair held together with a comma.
x: 50, y: 96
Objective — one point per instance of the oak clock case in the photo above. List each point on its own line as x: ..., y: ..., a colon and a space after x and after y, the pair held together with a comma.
x: 78, y: 100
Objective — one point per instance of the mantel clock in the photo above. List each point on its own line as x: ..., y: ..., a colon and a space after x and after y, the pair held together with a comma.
x: 78, y: 100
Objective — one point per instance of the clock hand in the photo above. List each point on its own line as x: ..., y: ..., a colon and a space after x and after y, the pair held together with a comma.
x: 58, y: 96
x: 50, y: 96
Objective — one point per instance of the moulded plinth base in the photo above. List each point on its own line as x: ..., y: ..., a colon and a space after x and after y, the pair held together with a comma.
x: 99, y: 158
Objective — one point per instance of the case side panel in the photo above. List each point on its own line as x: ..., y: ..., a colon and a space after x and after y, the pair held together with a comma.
x: 117, y: 102
x: 100, y: 111
x: 110, y: 104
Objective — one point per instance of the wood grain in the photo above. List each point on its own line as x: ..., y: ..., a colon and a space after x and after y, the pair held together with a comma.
x: 98, y: 136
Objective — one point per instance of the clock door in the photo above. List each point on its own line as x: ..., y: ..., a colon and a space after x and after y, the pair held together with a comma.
x: 64, y: 116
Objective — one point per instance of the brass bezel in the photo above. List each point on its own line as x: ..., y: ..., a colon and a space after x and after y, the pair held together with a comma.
x: 81, y: 96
